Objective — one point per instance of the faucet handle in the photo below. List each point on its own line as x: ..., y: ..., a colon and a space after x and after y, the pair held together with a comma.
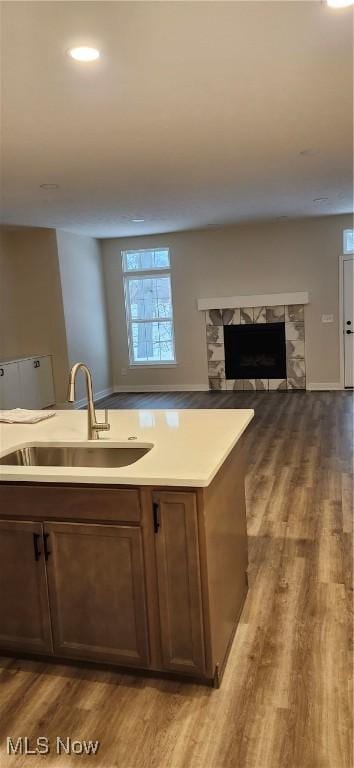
x: 105, y: 424
x: 101, y: 426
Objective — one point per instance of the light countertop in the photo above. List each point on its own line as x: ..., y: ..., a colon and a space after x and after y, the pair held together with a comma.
x: 189, y: 446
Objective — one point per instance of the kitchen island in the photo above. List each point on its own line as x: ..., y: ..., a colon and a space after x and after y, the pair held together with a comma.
x: 129, y: 550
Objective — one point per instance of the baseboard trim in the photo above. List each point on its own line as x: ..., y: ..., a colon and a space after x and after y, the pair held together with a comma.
x: 81, y: 403
x: 324, y: 386
x: 160, y: 388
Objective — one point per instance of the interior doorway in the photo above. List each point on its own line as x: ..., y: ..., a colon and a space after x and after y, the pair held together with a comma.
x: 348, y: 320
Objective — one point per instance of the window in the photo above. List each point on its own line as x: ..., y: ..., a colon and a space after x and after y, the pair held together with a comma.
x: 148, y: 306
x: 348, y: 241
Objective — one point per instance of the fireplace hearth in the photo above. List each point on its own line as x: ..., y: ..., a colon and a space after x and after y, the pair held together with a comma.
x: 255, y: 351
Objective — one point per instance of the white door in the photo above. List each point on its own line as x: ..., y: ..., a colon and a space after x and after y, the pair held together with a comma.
x: 348, y: 322
x: 10, y: 390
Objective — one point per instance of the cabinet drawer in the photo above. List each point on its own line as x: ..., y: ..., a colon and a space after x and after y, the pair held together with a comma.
x: 70, y: 502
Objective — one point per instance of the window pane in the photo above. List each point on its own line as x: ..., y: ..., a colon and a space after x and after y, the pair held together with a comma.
x: 162, y: 259
x: 149, y: 297
x: 152, y: 342
x: 146, y: 260
x: 348, y: 241
x: 141, y: 299
x: 163, y: 296
x: 132, y: 260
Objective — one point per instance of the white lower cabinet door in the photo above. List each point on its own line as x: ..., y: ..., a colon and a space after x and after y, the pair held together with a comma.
x: 45, y: 381
x: 10, y: 386
x: 29, y: 384
x: 37, y: 382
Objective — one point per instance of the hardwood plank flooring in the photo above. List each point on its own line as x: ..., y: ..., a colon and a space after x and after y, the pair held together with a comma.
x: 286, y: 699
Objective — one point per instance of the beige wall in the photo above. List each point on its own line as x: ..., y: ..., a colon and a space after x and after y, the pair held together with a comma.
x: 9, y: 321
x: 44, y: 276
x: 52, y: 301
x: 84, y: 307
x: 299, y: 255
x: 32, y: 316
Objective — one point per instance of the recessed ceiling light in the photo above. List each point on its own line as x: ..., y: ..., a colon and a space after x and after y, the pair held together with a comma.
x: 84, y: 53
x: 49, y: 186
x: 340, y: 3
x: 138, y: 221
x: 320, y: 199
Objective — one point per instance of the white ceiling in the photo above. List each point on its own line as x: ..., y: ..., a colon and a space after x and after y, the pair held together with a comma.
x: 195, y: 115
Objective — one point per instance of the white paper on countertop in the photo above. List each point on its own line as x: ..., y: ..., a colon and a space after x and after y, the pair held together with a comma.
x: 23, y: 416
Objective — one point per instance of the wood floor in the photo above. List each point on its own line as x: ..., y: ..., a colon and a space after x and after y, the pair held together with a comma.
x: 286, y: 700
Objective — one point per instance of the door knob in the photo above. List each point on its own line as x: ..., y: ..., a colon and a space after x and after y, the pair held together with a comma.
x: 349, y: 331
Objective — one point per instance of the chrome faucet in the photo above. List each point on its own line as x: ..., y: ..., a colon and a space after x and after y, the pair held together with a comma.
x: 94, y: 427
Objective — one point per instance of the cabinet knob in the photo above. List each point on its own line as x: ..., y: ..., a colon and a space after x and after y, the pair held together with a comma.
x: 2, y: 372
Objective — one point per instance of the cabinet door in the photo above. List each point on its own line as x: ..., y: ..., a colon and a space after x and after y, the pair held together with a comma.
x: 29, y: 384
x: 97, y: 592
x: 179, y: 588
x: 24, y: 609
x: 45, y: 381
x: 37, y: 382
x: 10, y: 389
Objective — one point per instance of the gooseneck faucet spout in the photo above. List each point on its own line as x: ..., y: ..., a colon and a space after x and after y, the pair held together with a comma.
x: 94, y: 427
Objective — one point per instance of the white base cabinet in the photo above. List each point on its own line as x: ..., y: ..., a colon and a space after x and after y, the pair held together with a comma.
x: 27, y: 383
x: 10, y: 386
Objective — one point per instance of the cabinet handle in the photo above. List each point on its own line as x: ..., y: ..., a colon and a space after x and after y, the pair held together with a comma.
x: 37, y: 551
x: 47, y: 551
x: 156, y: 513
x: 2, y: 372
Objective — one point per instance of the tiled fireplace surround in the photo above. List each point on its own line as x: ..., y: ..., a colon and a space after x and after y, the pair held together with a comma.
x: 290, y: 314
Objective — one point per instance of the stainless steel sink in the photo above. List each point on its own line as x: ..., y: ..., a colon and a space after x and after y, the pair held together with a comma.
x: 74, y: 456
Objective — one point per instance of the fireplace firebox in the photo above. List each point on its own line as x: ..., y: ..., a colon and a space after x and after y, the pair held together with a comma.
x: 255, y: 351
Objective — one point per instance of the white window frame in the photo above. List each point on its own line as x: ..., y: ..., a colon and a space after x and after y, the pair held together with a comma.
x: 146, y: 273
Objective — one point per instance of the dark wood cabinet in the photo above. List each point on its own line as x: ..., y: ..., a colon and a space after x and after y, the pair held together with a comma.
x: 134, y: 576
x: 179, y: 582
x: 97, y: 592
x: 24, y: 607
